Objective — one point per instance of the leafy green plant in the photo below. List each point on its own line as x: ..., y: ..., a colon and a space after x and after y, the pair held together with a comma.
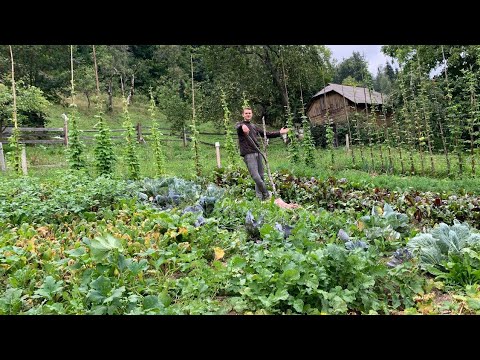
x: 168, y: 191
x: 451, y: 253
x: 104, y: 155
x: 375, y: 125
x: 11, y: 301
x: 408, y: 130
x: 419, y: 131
x: 329, y: 134
x: 104, y: 297
x: 32, y: 106
x: 426, y: 110
x: 101, y: 247
x: 50, y: 289
x: 156, y: 134
x: 308, y: 143
x: 293, y: 145
x: 386, y: 217
x: 16, y: 152
x: 454, y: 124
x: 131, y: 152
x: 229, y: 143
x: 69, y: 196
x: 358, y: 133
x: 330, y: 280
x: 473, y: 114
x: 75, y: 149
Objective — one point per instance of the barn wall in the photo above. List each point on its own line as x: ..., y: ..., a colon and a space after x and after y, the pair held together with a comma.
x: 336, y: 109
x: 333, y: 101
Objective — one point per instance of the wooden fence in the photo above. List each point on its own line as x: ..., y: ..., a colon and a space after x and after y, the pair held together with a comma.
x: 88, y: 135
x: 62, y: 135
x: 62, y: 138
x: 59, y: 139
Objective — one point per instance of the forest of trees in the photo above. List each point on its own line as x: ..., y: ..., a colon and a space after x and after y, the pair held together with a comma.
x: 270, y: 76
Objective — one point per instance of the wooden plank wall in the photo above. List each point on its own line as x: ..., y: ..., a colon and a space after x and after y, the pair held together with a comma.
x: 336, y: 108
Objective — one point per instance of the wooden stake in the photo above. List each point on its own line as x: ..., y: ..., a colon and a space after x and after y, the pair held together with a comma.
x: 15, y: 120
x: 217, y: 151
x: 96, y: 70
x: 2, y: 158
x: 24, y: 161
x: 71, y: 70
x: 139, y: 133
x: 14, y: 92
x: 65, y: 130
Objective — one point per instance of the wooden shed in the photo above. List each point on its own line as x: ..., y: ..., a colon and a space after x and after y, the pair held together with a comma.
x: 340, y: 99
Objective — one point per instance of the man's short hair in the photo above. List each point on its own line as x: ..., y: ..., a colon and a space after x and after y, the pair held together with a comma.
x: 246, y: 108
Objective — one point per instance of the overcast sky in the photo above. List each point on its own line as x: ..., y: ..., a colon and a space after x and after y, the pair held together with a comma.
x: 372, y: 53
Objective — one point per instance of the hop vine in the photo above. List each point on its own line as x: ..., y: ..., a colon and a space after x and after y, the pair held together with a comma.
x: 156, y: 134
x: 75, y: 147
x: 293, y: 145
x: 229, y: 143
x: 17, y: 149
x: 104, y: 156
x: 131, y: 152
x: 308, y: 143
x: 329, y: 135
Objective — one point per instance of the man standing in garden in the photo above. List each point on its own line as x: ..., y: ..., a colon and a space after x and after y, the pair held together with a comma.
x: 250, y: 150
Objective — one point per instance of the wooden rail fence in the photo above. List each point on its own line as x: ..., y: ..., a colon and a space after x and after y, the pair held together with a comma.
x: 62, y: 135
x: 62, y: 138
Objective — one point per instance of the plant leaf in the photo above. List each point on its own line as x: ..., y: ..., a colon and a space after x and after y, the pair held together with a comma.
x: 49, y: 288
x: 101, y: 246
x: 219, y: 253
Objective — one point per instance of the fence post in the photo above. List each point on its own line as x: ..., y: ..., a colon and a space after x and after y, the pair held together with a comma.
x: 346, y: 143
x: 217, y: 150
x: 139, y: 132
x: 184, y: 137
x: 24, y: 160
x: 2, y: 158
x: 65, y: 130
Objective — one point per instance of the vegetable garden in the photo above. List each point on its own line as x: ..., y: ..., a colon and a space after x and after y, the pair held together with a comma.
x: 77, y: 245
x: 390, y: 226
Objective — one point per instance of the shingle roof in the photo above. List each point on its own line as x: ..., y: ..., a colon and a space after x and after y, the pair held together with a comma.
x: 348, y: 92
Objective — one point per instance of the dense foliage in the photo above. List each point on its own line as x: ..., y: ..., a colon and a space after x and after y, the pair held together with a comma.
x: 77, y: 245
x: 31, y: 105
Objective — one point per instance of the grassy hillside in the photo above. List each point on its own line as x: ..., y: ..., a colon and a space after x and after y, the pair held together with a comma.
x: 138, y: 111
